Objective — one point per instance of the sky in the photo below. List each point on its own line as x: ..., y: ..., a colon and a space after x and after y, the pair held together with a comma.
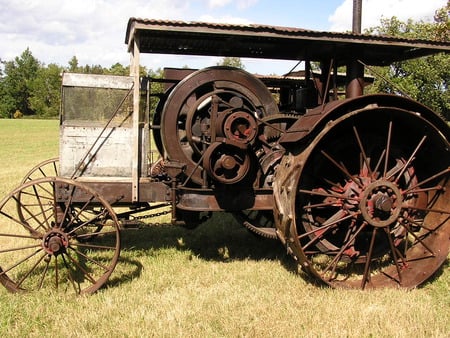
x: 94, y: 30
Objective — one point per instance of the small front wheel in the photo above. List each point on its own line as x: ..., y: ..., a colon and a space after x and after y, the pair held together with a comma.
x: 65, y: 237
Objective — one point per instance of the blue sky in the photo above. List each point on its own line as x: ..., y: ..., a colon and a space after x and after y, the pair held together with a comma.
x: 94, y: 30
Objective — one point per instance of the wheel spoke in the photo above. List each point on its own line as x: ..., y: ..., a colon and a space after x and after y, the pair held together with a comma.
x: 56, y: 273
x: 319, y: 205
x: 93, y: 246
x: 44, y: 273
x: 3, y: 272
x: 380, y: 160
x: 21, y: 248
x: 439, y: 211
x: 69, y: 274
x: 363, y: 152
x: 436, y: 188
x: 85, y: 272
x: 85, y: 223
x: 340, y: 253
x: 67, y: 208
x: 33, y: 216
x: 439, y: 174
x: 33, y: 268
x: 419, y: 223
x: 411, y: 158
x: 342, y: 169
x: 394, y: 255
x: 46, y: 168
x: 366, y: 275
x: 338, y: 217
x: 394, y: 170
x: 419, y: 240
x: 78, y: 252
x: 388, y: 149
x: 94, y: 234
x: 18, y: 236
x: 43, y: 197
x: 325, y: 194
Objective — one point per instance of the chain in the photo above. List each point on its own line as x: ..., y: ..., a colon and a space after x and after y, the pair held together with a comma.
x: 137, y: 222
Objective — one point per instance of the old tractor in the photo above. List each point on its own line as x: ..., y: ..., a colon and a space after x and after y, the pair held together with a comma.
x: 356, y: 187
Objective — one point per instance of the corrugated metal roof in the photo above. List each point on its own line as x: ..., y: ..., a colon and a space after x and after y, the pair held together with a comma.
x: 272, y: 42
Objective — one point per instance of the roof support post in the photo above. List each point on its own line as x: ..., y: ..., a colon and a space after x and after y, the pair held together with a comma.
x: 134, y: 72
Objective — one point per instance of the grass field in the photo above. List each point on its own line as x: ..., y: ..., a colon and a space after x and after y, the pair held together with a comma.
x: 215, y: 281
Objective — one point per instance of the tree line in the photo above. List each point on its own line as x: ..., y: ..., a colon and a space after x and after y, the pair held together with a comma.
x: 28, y: 87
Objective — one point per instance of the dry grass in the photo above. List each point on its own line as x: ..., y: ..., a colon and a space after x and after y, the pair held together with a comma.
x: 215, y: 281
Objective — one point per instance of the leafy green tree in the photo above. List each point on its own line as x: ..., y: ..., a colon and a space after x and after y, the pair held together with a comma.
x: 118, y: 69
x: 45, y: 91
x: 424, y: 79
x: 155, y: 87
x: 16, y: 82
x: 6, y: 101
x: 73, y: 65
x: 93, y: 69
x: 231, y: 62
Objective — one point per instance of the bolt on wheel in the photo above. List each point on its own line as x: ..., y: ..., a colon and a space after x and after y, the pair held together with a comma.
x: 66, y: 237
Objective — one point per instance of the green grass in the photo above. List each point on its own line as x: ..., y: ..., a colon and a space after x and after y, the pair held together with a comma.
x: 24, y: 144
x: 215, y: 281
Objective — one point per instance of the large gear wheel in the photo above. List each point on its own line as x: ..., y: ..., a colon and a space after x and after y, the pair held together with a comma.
x: 190, y: 114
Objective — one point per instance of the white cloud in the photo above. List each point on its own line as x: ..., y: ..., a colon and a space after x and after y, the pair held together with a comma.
x: 224, y: 19
x: 93, y: 30
x: 374, y: 10
x: 218, y: 3
x: 240, y: 4
x: 243, y: 4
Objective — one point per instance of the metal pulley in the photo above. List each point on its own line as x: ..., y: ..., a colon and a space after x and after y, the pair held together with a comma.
x: 226, y: 163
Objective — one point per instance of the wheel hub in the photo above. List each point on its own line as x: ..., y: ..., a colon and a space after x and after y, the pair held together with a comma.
x: 55, y: 241
x: 380, y: 204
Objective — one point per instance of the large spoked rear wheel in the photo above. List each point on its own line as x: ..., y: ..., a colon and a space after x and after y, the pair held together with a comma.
x: 66, y: 237
x: 370, y: 197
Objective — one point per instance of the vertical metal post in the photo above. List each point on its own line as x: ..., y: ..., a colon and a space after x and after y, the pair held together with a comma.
x: 134, y: 70
x: 357, y: 12
x: 355, y: 71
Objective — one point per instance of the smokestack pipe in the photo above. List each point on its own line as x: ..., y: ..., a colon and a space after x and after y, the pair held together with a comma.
x: 357, y: 10
x: 355, y: 71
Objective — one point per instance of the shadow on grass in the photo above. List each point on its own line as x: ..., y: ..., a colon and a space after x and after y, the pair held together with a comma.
x: 221, y: 239
x: 439, y: 272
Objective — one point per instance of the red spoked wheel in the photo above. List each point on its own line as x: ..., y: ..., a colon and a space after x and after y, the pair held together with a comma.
x: 370, y: 197
x: 66, y: 238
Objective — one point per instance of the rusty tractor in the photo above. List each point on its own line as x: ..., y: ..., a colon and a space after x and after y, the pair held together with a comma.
x: 356, y: 187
